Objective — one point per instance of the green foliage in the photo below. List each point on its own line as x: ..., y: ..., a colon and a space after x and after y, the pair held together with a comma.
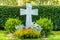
x: 46, y: 24
x: 8, y: 2
x: 30, y: 1
x: 52, y: 12
x: 27, y: 33
x: 11, y: 23
x: 8, y: 12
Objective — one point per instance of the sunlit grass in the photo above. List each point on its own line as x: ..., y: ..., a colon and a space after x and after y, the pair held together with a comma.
x: 55, y: 36
x: 3, y: 36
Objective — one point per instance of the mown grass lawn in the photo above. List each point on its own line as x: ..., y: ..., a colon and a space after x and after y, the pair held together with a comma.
x: 3, y: 36
x: 55, y: 36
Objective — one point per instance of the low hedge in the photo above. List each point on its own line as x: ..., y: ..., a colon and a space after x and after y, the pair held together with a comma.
x: 52, y: 12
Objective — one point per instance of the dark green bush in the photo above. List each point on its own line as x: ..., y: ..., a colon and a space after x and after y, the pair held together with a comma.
x: 11, y: 23
x: 52, y: 12
x: 46, y: 24
x: 8, y: 12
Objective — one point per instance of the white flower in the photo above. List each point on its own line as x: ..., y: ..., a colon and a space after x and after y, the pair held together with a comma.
x: 19, y: 27
x: 36, y: 26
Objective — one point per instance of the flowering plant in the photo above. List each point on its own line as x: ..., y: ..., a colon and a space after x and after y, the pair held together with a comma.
x: 19, y: 27
x: 34, y: 31
x: 27, y: 33
x: 35, y: 26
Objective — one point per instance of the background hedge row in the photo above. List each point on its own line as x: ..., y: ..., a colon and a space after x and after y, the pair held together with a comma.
x: 52, y: 12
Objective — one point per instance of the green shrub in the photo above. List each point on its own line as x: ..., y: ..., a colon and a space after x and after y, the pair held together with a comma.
x: 27, y: 33
x: 46, y: 24
x: 11, y: 23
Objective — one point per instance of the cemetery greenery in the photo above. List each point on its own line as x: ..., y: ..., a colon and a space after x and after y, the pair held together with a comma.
x: 11, y: 23
x: 46, y: 24
x: 51, y: 12
x: 35, y: 30
x: 27, y: 33
x: 49, y: 16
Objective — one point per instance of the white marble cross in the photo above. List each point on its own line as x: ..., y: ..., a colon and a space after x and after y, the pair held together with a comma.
x: 28, y: 12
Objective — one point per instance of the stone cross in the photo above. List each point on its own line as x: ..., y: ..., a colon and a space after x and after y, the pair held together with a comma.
x: 28, y: 12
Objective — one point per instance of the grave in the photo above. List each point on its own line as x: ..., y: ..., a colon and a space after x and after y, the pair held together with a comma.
x: 28, y: 12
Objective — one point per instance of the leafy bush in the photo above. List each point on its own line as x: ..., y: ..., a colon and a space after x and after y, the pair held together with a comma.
x: 46, y: 24
x: 27, y: 33
x: 11, y: 23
